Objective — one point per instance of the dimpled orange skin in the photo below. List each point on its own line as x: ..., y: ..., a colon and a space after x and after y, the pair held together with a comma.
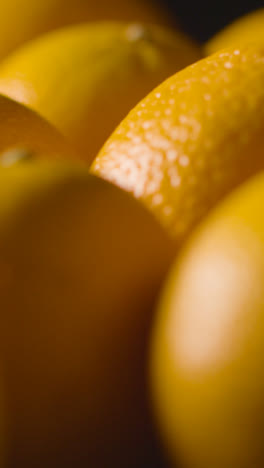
x: 23, y: 20
x: 24, y: 128
x: 246, y: 29
x: 192, y: 140
x: 85, y: 79
x: 81, y: 263
x: 207, y: 374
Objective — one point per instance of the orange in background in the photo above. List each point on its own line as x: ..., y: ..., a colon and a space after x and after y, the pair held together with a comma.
x: 85, y: 79
x: 23, y: 20
x: 21, y: 127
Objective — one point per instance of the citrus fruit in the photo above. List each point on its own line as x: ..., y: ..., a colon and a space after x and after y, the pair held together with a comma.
x: 208, y: 340
x: 81, y: 263
x: 84, y: 79
x: 194, y: 138
x: 23, y: 20
x: 248, y: 28
x: 20, y: 126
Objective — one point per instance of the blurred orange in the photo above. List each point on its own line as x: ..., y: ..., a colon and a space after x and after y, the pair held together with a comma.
x: 81, y: 263
x: 207, y: 352
x: 84, y: 79
x: 24, y: 128
x: 23, y: 20
x: 248, y: 28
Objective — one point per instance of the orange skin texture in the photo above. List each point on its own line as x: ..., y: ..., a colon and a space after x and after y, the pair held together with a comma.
x: 23, y: 128
x: 206, y: 368
x: 193, y: 139
x: 81, y: 265
x: 24, y: 20
x: 85, y: 79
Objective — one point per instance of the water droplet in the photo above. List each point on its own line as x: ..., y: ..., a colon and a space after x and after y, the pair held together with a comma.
x: 147, y: 124
x: 228, y: 65
x: 184, y: 160
x: 172, y: 155
x: 157, y: 199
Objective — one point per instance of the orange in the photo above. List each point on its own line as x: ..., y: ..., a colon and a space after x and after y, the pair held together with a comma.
x: 84, y: 79
x: 208, y: 340
x: 23, y: 20
x: 81, y: 263
x: 191, y: 140
x: 20, y: 126
x: 248, y: 28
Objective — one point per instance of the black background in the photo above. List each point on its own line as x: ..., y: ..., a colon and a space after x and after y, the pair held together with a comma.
x: 203, y: 18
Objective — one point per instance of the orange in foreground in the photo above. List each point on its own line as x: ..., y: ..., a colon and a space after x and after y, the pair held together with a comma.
x: 24, y: 20
x: 81, y: 263
x: 207, y: 350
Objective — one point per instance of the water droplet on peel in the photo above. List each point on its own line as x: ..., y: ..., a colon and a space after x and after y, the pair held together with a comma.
x: 183, y: 119
x: 184, y: 160
x: 172, y: 155
x: 175, y: 181
x: 157, y: 199
x: 146, y: 124
x: 205, y: 80
x: 228, y: 65
x: 136, y: 140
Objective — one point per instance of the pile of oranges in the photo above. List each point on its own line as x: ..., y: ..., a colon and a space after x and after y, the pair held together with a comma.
x: 131, y: 239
